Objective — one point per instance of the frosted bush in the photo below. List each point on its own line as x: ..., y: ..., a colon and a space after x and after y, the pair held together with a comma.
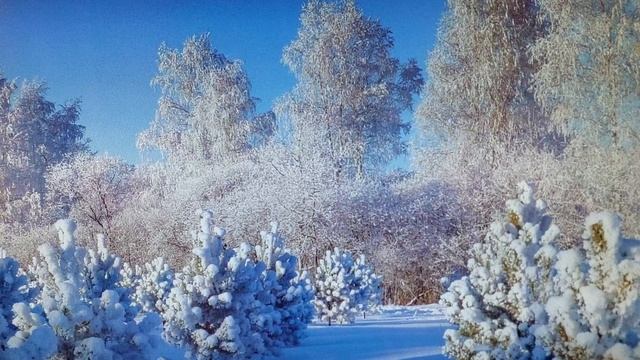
x: 500, y: 303
x: 335, y: 302
x: 368, y: 286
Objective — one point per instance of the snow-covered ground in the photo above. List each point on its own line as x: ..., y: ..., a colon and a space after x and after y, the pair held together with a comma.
x: 399, y: 332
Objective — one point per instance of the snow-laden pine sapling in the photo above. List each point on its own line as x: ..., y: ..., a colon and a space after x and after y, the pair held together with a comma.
x: 594, y: 311
x: 334, y: 287
x: 85, y: 305
x: 368, y: 287
x: 207, y: 310
x: 288, y: 291
x: 500, y: 303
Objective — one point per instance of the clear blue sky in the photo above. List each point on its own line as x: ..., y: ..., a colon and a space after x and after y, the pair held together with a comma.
x: 104, y: 52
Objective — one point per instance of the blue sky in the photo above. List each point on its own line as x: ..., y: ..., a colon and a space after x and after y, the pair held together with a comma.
x: 104, y: 52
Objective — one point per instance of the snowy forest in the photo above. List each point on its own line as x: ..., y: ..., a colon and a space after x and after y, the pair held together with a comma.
x: 242, y: 227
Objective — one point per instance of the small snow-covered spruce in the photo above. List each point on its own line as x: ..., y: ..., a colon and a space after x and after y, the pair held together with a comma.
x: 152, y: 282
x: 499, y: 304
x: 87, y: 309
x: 286, y: 290
x: 207, y: 310
x: 334, y: 280
x: 367, y: 286
x: 595, y: 311
x: 23, y: 333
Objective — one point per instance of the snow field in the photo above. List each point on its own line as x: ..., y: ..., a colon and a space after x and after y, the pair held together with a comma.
x: 397, y: 332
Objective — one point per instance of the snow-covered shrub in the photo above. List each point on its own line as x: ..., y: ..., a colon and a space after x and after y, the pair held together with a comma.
x: 368, y: 286
x: 345, y: 287
x: 23, y: 333
x: 498, y: 305
x: 288, y: 291
x: 88, y: 310
x: 335, y: 293
x: 152, y: 283
x: 595, y: 313
x: 207, y: 310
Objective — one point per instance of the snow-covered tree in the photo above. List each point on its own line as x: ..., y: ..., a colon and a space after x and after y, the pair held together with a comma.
x: 590, y: 68
x: 24, y: 333
x: 288, y: 291
x: 594, y: 311
x: 206, y: 110
x: 207, y: 310
x: 83, y: 302
x: 368, y: 285
x: 93, y: 190
x: 500, y: 303
x: 350, y: 90
x: 205, y: 127
x: 480, y: 73
x: 34, y: 135
x: 334, y: 287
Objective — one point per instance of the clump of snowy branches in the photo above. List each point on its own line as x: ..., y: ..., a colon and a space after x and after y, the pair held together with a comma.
x: 152, y: 283
x: 497, y: 306
x: 344, y: 287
